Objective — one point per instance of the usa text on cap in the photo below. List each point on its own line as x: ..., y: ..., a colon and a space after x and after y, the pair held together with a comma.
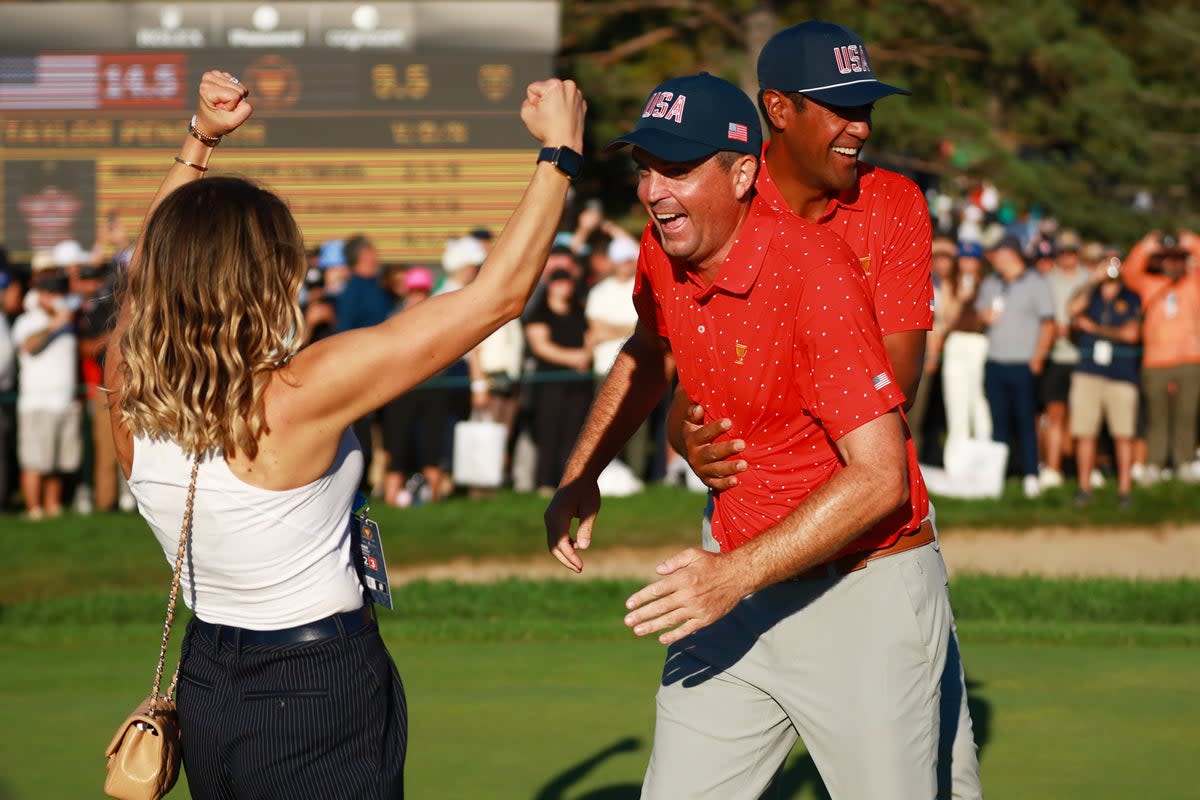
x: 689, y: 118
x: 824, y: 61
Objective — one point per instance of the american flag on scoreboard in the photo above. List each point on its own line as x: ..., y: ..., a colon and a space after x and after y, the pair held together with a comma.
x: 738, y: 132
x: 49, y: 82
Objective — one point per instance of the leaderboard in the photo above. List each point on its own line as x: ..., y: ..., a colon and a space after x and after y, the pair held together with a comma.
x: 384, y: 122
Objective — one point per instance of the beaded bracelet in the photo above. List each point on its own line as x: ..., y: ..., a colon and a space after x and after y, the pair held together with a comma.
x: 197, y: 167
x: 211, y: 141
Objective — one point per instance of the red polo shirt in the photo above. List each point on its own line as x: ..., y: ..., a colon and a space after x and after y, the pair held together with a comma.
x: 784, y: 343
x: 886, y: 224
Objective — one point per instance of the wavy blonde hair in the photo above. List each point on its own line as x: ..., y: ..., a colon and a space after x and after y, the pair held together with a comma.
x: 214, y: 312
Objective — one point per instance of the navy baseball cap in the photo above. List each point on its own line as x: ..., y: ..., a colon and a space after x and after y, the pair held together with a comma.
x: 689, y: 118
x: 1008, y: 241
x: 970, y: 249
x: 824, y: 61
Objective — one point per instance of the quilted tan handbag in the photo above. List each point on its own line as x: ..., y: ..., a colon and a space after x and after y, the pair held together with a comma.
x: 143, y: 757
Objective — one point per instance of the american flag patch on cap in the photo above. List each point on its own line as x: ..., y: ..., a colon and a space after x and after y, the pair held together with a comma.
x: 881, y: 380
x: 738, y: 132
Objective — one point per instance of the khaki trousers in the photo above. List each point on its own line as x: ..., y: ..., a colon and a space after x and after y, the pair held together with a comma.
x: 856, y: 666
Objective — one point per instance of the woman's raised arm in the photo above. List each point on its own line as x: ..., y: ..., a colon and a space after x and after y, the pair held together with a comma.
x: 339, y: 379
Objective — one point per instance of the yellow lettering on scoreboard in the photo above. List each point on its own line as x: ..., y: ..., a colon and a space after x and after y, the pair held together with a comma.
x: 56, y: 132
x: 389, y: 85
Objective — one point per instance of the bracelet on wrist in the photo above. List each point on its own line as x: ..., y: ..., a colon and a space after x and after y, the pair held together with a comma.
x: 186, y: 163
x: 480, y: 385
x: 211, y: 141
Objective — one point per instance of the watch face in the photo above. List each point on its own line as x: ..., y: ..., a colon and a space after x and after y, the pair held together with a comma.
x: 569, y: 162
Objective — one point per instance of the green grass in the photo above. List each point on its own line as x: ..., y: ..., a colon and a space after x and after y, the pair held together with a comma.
x: 573, y: 720
x: 107, y: 551
x: 989, y: 609
x: 1081, y: 688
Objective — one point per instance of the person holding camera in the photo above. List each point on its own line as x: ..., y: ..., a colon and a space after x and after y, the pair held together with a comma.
x: 1161, y: 269
x: 1106, y: 317
x: 48, y: 413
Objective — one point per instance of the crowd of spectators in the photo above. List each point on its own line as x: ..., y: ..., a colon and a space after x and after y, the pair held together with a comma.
x: 1084, y: 360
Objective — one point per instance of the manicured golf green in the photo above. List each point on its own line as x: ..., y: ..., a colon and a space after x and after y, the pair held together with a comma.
x: 573, y: 720
x: 1082, y: 689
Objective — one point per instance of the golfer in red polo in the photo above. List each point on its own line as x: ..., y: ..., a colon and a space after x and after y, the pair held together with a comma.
x: 825, y: 615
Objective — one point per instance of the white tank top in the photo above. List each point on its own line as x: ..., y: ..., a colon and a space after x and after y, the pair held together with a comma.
x: 258, y: 559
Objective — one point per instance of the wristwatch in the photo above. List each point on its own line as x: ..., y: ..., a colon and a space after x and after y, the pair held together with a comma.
x: 564, y: 159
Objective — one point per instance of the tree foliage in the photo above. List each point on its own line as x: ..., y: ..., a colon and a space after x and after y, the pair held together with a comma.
x: 1071, y: 106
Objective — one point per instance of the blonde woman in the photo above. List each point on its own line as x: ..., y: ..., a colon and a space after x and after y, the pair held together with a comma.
x: 286, y: 688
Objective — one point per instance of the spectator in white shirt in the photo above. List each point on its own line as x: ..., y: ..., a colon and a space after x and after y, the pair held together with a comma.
x: 611, y: 319
x: 48, y: 413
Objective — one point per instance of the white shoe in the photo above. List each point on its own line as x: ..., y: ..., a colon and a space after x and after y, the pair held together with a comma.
x: 83, y: 499
x: 1031, y: 486
x: 1146, y: 474
x: 126, y: 503
x: 1097, y: 479
x: 1050, y: 478
x: 1189, y: 473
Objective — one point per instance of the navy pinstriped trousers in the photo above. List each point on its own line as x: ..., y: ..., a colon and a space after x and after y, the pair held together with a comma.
x: 324, y: 719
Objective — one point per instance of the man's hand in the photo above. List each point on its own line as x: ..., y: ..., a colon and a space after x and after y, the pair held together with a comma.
x: 698, y: 588
x: 579, y: 500
x: 708, y: 458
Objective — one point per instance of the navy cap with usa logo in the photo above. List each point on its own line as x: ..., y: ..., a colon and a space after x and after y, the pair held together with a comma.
x: 824, y: 61
x: 692, y: 117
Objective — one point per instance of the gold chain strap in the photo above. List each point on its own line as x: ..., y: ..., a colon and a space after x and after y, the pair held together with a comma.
x: 184, y: 530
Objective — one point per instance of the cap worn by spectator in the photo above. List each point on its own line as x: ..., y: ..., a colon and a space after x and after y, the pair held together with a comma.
x: 466, y: 251
x: 622, y: 249
x: 1091, y: 252
x: 69, y: 253
x: 969, y: 249
x: 563, y: 239
x: 824, y: 61
x: 689, y: 118
x: 418, y: 279
x: 332, y: 254
x: 1045, y: 249
x: 482, y: 234
x: 1008, y: 242
x: 42, y: 260
x: 1068, y: 241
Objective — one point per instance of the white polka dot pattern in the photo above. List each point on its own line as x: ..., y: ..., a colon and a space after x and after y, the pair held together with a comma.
x: 886, y: 223
x: 784, y: 342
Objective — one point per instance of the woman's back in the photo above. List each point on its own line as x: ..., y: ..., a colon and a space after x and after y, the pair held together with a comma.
x: 260, y: 559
